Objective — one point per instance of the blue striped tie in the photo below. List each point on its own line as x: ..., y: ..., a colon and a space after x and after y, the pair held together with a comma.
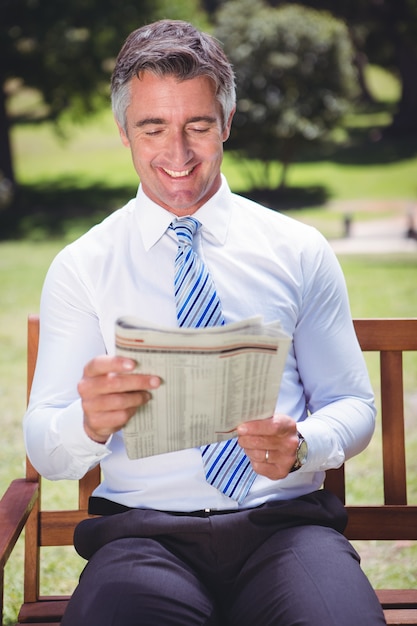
x: 226, y: 465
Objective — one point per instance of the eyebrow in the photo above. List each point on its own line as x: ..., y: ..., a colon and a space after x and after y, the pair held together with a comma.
x: 158, y: 120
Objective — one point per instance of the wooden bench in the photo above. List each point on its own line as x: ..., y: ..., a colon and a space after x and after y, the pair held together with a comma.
x: 393, y: 520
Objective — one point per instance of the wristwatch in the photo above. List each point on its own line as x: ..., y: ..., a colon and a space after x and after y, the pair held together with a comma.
x: 301, y: 453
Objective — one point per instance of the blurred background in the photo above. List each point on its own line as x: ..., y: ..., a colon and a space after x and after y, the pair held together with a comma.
x: 327, y: 105
x: 325, y: 130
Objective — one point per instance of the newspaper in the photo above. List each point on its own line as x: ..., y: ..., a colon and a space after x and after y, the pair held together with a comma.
x: 213, y: 380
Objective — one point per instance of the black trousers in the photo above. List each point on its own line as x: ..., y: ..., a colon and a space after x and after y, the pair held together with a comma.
x: 282, y: 564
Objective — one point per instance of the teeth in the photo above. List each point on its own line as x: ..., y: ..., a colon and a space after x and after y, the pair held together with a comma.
x: 177, y: 174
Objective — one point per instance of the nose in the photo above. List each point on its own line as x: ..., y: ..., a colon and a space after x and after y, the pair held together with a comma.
x: 179, y: 150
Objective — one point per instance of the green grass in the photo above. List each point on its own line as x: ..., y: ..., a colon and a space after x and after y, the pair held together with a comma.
x: 66, y: 185
x: 381, y: 285
x: 90, y: 152
x: 89, y: 173
x: 381, y: 172
x: 93, y: 154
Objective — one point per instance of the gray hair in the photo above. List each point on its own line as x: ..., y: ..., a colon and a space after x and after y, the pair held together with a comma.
x: 171, y: 48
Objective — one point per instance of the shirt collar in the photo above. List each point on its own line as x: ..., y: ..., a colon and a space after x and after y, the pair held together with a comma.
x: 214, y: 216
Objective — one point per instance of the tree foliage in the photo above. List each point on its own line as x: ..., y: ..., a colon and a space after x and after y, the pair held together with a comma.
x: 390, y: 40
x: 295, y: 76
x: 384, y: 33
x: 66, y: 50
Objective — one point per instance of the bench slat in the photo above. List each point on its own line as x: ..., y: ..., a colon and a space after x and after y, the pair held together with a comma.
x: 386, y: 333
x: 57, y: 527
x: 46, y: 610
x: 390, y: 522
x: 401, y: 617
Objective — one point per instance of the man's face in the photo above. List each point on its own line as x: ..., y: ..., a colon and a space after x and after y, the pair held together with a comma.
x: 174, y: 131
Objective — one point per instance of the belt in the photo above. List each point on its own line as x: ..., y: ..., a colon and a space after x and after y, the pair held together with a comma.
x: 103, y: 506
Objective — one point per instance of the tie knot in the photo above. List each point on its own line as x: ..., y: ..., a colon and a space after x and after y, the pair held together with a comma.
x: 185, y: 229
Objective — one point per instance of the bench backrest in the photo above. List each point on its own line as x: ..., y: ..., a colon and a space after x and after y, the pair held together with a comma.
x: 392, y: 520
x: 391, y: 338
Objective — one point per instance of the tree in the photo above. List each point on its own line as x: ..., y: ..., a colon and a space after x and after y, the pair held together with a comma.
x: 66, y: 50
x: 295, y: 76
x: 384, y: 32
x: 392, y: 43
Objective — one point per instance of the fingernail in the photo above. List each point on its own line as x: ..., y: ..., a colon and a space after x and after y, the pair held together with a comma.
x: 154, y: 381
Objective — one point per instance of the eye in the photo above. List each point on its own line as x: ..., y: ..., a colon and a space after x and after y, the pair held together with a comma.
x: 199, y: 129
x: 152, y: 132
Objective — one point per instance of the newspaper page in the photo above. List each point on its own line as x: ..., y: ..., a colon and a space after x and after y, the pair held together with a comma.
x: 213, y: 379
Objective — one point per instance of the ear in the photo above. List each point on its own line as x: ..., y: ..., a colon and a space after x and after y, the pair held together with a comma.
x: 226, y: 131
x: 123, y: 135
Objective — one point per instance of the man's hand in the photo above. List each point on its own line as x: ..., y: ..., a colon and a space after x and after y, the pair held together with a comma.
x: 271, y: 445
x: 110, y: 394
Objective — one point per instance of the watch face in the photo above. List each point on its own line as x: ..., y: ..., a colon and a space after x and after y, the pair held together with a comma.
x: 302, y: 452
x: 301, y: 456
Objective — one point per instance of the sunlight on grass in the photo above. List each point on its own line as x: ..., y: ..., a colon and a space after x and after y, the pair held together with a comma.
x: 382, y: 84
x: 381, y: 285
x: 90, y: 152
x: 396, y: 180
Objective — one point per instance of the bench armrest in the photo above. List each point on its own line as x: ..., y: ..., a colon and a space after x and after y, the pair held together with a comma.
x: 15, y: 508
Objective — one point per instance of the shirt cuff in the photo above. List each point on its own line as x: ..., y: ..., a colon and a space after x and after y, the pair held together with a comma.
x: 324, y: 451
x: 68, y: 436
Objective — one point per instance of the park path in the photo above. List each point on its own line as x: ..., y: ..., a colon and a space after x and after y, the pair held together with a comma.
x: 379, y: 235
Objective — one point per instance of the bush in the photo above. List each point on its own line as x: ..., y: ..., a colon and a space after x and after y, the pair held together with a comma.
x: 295, y: 76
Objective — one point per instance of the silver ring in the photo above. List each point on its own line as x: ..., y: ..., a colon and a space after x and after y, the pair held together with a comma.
x: 266, y: 456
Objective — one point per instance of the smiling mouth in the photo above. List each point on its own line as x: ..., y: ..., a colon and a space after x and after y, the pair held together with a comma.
x: 175, y: 174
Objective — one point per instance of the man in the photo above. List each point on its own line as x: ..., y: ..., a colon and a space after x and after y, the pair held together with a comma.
x: 170, y: 547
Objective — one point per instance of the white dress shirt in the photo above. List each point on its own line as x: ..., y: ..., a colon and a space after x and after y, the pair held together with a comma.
x: 262, y: 262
